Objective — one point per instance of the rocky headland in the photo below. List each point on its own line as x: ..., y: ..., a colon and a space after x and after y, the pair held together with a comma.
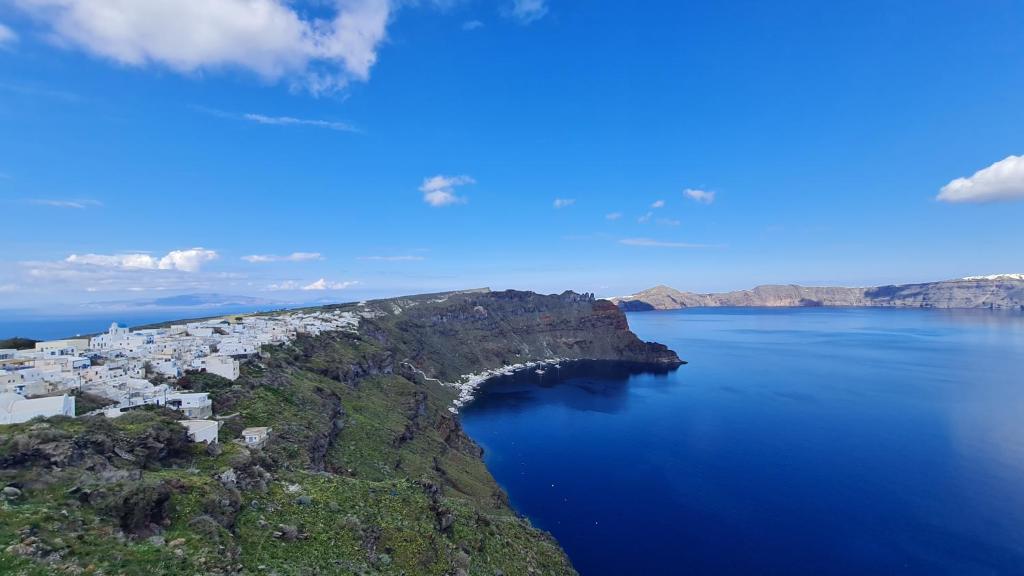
x: 366, y: 471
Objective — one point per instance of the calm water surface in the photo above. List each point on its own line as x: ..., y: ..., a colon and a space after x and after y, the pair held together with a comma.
x: 797, y: 441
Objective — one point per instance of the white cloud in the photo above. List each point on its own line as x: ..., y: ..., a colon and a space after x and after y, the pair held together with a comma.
x: 613, y: 216
x: 268, y: 37
x: 527, y: 11
x: 293, y: 257
x: 470, y: 25
x: 285, y: 285
x: 700, y: 196
x: 8, y: 288
x: 392, y: 258
x: 645, y: 218
x: 76, y: 204
x: 564, y: 202
x: 7, y: 36
x: 658, y: 204
x: 190, y: 260
x: 1003, y: 180
x: 440, y: 190
x: 323, y: 284
x: 290, y: 121
x: 649, y: 242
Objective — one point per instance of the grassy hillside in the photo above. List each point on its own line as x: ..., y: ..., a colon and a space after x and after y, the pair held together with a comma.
x: 366, y: 471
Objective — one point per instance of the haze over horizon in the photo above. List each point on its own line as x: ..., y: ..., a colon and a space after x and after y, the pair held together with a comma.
x: 368, y: 148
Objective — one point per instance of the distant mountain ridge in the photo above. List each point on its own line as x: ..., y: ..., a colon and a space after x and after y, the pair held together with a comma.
x: 997, y: 292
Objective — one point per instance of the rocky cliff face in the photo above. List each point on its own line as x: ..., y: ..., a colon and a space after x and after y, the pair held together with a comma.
x: 366, y: 470
x: 1000, y: 292
x: 470, y: 332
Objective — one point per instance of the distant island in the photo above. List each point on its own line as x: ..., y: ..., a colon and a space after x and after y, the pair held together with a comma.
x: 996, y: 292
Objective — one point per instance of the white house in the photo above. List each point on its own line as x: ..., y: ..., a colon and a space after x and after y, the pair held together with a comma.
x: 255, y: 437
x: 70, y: 347
x: 195, y: 405
x: 167, y: 368
x: 113, y: 338
x: 22, y: 382
x: 201, y: 430
x: 15, y: 408
x: 224, y: 366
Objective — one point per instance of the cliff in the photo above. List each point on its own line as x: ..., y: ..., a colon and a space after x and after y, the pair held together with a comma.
x: 366, y: 470
x: 999, y: 292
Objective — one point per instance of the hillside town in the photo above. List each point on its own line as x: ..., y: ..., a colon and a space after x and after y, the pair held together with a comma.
x: 133, y: 368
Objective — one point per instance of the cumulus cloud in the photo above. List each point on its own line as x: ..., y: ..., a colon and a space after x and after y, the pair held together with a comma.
x: 440, y: 190
x: 290, y: 121
x: 564, y: 202
x: 323, y: 284
x: 7, y: 36
x: 190, y: 260
x: 651, y: 243
x: 271, y: 38
x: 658, y: 204
x: 613, y: 216
x: 1003, y: 180
x: 527, y: 11
x: 76, y: 204
x: 470, y: 25
x: 700, y: 196
x: 408, y: 258
x: 293, y: 257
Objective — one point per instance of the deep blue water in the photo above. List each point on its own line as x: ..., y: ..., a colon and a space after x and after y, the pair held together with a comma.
x: 42, y: 327
x: 796, y: 442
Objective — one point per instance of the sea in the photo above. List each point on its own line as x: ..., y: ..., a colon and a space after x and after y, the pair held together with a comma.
x: 796, y: 441
x: 42, y: 326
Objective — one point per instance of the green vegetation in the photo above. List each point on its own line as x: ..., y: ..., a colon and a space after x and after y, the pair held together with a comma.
x: 17, y: 343
x: 366, y: 470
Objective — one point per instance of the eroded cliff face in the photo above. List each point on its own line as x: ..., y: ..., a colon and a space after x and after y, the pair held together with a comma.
x: 366, y: 469
x: 472, y: 332
x: 999, y: 293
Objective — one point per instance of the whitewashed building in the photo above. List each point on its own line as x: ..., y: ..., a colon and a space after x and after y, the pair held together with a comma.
x: 223, y: 366
x: 255, y: 437
x: 15, y: 409
x: 194, y: 405
x: 201, y: 430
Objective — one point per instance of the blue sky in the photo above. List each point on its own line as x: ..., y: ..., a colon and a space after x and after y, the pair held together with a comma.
x: 364, y: 148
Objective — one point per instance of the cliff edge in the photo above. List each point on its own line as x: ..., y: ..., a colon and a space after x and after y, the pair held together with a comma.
x: 365, y: 470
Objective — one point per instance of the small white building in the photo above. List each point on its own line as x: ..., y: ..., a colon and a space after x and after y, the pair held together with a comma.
x: 255, y: 437
x: 224, y: 366
x: 113, y: 338
x: 194, y: 405
x: 168, y: 368
x: 71, y: 347
x: 15, y: 409
x: 26, y: 382
x: 201, y: 430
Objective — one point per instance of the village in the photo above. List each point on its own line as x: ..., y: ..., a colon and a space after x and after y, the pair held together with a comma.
x: 135, y: 368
